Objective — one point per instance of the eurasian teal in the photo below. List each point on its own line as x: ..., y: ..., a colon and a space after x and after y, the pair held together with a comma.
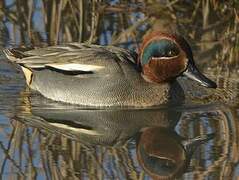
x: 94, y: 75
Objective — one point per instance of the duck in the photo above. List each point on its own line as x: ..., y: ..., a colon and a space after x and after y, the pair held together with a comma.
x: 110, y: 76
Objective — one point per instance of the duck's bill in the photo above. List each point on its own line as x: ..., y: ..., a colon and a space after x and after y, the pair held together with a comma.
x: 190, y: 145
x: 193, y: 73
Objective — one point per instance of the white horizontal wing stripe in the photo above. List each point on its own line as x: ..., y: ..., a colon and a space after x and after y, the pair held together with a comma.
x: 75, y: 67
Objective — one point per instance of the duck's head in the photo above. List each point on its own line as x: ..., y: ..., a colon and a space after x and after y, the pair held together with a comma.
x: 163, y: 154
x: 163, y: 57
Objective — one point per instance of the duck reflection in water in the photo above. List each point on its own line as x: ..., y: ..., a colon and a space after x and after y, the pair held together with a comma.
x: 161, y: 152
x: 164, y: 154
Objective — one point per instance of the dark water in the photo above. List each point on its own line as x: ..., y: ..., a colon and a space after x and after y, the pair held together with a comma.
x: 42, y: 139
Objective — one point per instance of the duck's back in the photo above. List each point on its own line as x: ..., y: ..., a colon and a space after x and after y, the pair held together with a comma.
x: 91, y: 75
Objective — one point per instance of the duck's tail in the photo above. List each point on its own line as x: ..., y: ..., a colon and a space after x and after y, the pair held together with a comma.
x: 9, y: 55
x: 15, y: 54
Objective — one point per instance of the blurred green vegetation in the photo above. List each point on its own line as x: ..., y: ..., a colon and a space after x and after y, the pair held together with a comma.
x: 211, y: 26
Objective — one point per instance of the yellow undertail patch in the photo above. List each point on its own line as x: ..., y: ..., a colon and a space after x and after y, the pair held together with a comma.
x: 28, y: 75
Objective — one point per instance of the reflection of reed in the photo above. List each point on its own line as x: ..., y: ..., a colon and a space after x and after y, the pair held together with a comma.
x: 7, y: 151
x: 34, y: 152
x: 224, y: 149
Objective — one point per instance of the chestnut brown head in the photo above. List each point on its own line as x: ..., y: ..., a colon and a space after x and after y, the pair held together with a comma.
x: 163, y: 57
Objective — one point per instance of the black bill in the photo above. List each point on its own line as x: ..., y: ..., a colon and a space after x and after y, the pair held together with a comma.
x: 193, y: 73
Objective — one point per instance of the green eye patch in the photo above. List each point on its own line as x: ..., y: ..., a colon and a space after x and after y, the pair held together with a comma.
x: 160, y: 48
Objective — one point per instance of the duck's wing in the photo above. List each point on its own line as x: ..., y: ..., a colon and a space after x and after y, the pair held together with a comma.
x: 72, y: 58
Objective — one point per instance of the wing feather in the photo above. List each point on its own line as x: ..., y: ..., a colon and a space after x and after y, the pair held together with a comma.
x: 73, y: 56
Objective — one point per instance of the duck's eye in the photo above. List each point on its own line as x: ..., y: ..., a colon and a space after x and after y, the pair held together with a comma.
x: 171, y: 53
x: 167, y: 48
